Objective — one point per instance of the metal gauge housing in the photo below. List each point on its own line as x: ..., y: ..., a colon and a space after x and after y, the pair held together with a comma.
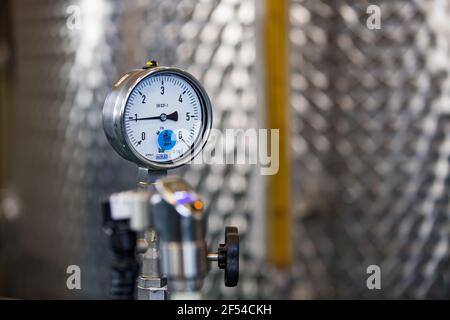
x: 157, y: 117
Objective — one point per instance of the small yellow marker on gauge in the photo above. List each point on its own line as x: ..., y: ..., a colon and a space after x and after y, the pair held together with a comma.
x: 151, y: 64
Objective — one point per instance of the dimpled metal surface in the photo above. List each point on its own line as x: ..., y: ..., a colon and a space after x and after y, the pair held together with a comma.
x: 369, y: 141
x: 370, y: 149
x: 63, y: 162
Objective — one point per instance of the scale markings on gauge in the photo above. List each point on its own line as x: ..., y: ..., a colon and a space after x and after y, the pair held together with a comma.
x: 158, y: 117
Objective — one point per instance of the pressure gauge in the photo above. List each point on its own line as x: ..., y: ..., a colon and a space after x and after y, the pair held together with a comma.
x: 157, y: 117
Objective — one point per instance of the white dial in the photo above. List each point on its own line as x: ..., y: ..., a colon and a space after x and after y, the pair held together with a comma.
x: 163, y: 117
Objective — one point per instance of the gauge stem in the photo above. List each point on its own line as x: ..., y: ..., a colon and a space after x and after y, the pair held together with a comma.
x: 147, y: 177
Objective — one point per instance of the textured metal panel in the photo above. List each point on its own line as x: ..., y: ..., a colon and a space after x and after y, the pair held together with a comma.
x: 64, y: 164
x: 371, y: 126
x: 369, y: 140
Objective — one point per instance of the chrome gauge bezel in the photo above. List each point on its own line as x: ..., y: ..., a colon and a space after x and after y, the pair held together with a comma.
x: 114, y: 122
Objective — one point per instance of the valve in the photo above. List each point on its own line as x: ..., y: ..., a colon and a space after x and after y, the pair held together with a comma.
x: 125, y: 267
x: 227, y: 256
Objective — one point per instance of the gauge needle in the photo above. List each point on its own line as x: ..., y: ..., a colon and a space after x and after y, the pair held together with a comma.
x: 163, y: 117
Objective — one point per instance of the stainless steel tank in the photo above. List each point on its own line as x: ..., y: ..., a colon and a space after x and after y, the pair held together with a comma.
x: 369, y: 140
x: 67, y: 55
x: 371, y: 147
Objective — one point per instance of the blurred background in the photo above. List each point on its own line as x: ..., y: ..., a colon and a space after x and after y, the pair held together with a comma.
x: 360, y: 93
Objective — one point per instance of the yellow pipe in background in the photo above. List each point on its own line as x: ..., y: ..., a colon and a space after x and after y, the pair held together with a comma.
x: 279, y: 218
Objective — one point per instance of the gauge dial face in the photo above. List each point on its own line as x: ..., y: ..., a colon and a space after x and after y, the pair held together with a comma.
x: 163, y: 117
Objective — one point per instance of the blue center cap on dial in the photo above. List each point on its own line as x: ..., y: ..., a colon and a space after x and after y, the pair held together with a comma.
x: 167, y: 139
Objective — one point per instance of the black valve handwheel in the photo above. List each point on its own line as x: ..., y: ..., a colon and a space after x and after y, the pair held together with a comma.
x: 228, y: 256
